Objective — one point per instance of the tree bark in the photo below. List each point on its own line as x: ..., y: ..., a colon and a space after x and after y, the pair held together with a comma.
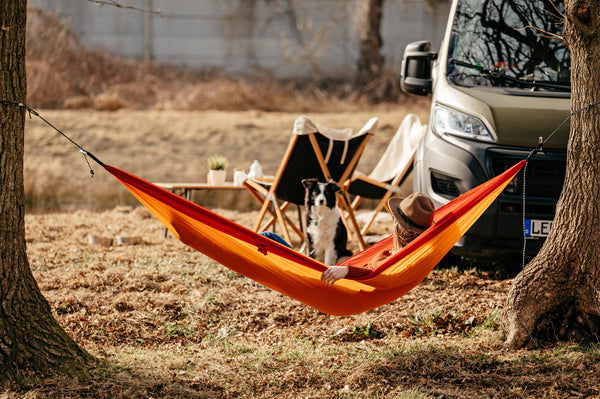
x: 556, y: 297
x: 370, y: 61
x: 30, y: 337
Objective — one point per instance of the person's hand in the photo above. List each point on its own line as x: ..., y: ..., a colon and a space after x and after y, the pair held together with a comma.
x: 333, y: 274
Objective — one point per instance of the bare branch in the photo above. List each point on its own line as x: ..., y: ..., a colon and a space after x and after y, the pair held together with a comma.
x: 563, y: 16
x: 543, y: 33
x: 118, y: 4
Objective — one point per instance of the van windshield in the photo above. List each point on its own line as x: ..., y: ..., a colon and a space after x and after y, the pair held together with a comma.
x: 509, y: 43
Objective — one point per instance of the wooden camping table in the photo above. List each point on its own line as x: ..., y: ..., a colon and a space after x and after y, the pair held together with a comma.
x: 189, y: 187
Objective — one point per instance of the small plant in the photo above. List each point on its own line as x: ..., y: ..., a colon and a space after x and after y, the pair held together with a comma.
x: 217, y: 162
x: 360, y: 333
x: 176, y: 330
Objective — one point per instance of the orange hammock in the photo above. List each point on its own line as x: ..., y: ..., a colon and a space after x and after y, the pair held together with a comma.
x: 298, y: 276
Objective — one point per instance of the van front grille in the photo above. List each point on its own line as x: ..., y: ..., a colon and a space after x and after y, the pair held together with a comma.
x: 545, y: 177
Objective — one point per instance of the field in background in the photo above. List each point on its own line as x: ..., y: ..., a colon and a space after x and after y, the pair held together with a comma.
x: 162, y: 123
x: 170, y: 146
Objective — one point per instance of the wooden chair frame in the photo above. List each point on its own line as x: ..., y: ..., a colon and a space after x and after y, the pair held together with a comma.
x: 391, y: 188
x: 265, y: 192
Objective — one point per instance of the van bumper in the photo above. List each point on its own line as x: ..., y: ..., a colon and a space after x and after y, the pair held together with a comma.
x: 449, y: 166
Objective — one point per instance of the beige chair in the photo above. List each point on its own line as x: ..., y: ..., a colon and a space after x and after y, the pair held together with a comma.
x: 391, y: 170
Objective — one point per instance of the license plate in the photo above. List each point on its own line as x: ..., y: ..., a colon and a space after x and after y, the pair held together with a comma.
x: 537, y: 228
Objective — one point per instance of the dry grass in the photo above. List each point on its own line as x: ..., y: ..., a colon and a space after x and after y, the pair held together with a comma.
x: 165, y: 321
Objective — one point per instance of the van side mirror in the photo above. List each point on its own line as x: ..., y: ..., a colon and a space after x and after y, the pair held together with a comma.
x: 415, y: 76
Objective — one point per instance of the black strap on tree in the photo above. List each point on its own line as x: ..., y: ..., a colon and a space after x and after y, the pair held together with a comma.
x: 84, y: 152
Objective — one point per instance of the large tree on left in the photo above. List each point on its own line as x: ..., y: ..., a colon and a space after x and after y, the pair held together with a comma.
x: 30, y: 337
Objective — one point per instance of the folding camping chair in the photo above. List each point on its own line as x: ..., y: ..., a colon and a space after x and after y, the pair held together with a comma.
x: 391, y: 170
x: 314, y: 151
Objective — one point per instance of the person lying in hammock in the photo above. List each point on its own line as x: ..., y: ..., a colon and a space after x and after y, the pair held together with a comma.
x: 412, y: 216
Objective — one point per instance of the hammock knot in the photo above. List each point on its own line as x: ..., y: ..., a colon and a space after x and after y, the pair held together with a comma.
x: 262, y: 248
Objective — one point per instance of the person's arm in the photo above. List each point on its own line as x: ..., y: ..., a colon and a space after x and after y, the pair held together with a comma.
x: 357, y: 271
x: 334, y: 273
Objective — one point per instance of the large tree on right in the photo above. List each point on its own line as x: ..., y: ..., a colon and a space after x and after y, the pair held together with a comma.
x: 557, y: 295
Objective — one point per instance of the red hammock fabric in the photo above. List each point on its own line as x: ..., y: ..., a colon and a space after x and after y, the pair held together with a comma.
x: 297, y: 275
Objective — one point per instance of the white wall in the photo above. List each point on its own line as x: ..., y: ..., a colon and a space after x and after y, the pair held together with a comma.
x: 240, y: 36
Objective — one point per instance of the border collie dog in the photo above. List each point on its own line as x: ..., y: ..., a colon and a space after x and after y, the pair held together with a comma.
x: 326, y: 235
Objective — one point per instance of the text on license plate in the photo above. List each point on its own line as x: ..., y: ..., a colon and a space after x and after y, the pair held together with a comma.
x: 537, y: 228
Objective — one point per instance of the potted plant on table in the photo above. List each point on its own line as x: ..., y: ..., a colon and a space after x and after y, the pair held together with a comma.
x: 216, y: 170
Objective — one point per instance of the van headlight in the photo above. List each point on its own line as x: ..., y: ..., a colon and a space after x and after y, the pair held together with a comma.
x: 451, y: 121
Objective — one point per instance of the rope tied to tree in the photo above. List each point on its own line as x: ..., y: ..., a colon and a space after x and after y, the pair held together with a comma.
x: 82, y: 150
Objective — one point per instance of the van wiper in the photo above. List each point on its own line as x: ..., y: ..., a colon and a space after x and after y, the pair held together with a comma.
x: 527, y: 83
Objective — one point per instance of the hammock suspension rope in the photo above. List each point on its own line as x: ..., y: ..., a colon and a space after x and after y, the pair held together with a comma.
x: 81, y: 149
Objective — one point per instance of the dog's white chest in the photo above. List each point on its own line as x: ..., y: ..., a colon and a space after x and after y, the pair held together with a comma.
x: 324, y: 220
x: 322, y: 229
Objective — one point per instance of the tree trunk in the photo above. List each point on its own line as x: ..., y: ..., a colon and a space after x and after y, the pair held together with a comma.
x: 30, y: 337
x: 556, y: 296
x: 370, y: 61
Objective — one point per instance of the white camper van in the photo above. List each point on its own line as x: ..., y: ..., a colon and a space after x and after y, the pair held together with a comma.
x: 499, y: 82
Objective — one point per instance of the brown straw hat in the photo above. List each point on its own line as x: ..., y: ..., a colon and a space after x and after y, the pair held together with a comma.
x: 414, y: 212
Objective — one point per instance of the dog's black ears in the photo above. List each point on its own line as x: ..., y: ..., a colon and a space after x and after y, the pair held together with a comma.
x: 309, y: 182
x: 334, y: 184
